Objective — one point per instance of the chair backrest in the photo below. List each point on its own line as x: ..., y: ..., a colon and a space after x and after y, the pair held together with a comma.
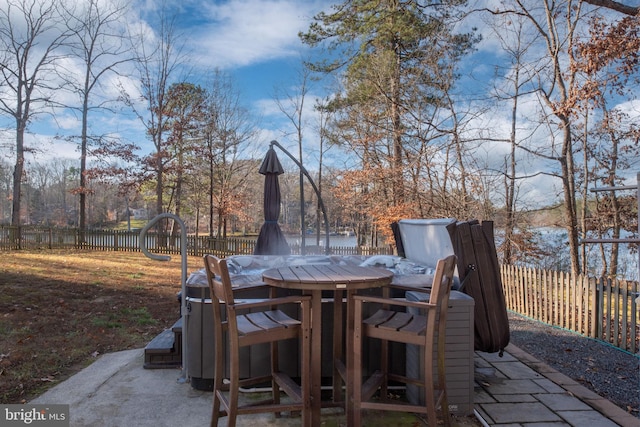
x: 219, y: 279
x: 441, y: 286
x: 221, y: 298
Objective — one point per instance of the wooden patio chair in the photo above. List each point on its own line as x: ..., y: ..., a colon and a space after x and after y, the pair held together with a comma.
x: 246, y: 324
x: 426, y: 329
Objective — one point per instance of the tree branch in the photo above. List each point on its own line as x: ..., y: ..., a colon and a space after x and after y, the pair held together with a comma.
x: 617, y: 6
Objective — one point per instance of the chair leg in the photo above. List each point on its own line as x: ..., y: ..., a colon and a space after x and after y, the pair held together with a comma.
x: 233, y: 403
x: 446, y: 416
x: 305, y: 373
x: 215, y: 413
x: 338, y: 354
x: 217, y: 387
x: 442, y: 385
x: 429, y: 391
x: 234, y: 385
x: 275, y: 389
x: 357, y: 366
x: 384, y: 368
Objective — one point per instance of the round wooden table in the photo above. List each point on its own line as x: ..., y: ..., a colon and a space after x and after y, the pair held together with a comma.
x: 313, y: 279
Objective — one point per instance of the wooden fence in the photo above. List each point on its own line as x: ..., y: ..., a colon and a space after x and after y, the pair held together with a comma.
x: 599, y: 308
x: 29, y: 237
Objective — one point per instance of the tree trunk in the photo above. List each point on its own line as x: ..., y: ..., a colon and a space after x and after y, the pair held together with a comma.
x: 568, y: 188
x: 82, y: 221
x: 17, y: 175
x: 398, y: 178
x: 18, y: 170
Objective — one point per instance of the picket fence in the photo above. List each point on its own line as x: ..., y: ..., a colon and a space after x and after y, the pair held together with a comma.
x: 599, y: 308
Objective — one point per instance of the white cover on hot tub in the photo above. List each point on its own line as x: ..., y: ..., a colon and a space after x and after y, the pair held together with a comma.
x: 425, y: 241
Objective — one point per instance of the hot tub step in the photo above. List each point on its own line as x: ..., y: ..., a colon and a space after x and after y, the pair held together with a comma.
x: 164, y: 351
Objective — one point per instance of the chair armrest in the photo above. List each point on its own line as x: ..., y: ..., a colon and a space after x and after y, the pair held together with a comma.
x: 245, y: 282
x: 412, y: 282
x: 395, y: 302
x: 293, y: 299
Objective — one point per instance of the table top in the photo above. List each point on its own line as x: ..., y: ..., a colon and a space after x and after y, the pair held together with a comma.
x: 327, y: 277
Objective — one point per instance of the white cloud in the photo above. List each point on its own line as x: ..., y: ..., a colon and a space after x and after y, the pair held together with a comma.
x: 240, y: 33
x: 631, y: 108
x: 43, y: 147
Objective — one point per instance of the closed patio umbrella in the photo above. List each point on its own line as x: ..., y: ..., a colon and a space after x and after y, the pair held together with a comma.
x: 271, y: 240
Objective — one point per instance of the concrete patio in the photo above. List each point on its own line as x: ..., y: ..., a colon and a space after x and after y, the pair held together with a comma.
x: 515, y: 390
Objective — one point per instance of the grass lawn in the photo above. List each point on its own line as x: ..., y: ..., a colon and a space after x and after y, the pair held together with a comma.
x: 59, y: 310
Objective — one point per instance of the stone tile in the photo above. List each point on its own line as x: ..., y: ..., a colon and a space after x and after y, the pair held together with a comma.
x: 586, y: 418
x: 549, y: 386
x: 581, y: 392
x: 552, y: 424
x: 514, y: 387
x: 479, y: 362
x: 522, y: 355
x: 625, y: 420
x: 562, y: 402
x: 482, y: 396
x: 560, y: 379
x: 495, y: 357
x: 517, y: 370
x: 504, y: 398
x: 610, y: 410
x: 483, y: 415
x: 520, y: 413
x: 487, y: 376
x: 488, y: 372
x: 541, y: 367
x: 518, y: 390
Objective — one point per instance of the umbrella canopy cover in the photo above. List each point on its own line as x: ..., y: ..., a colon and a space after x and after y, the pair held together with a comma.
x: 271, y: 240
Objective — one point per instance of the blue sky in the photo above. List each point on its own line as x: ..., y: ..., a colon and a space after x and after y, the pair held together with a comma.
x: 256, y: 43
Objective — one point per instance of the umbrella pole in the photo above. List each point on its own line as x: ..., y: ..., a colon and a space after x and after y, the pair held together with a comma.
x: 313, y: 185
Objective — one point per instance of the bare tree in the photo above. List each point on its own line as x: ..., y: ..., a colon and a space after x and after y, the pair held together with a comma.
x: 616, y: 5
x: 47, y: 192
x: 556, y: 25
x: 516, y: 81
x: 98, y: 41
x: 5, y: 190
x: 561, y: 85
x: 185, y: 117
x: 159, y: 59
x: 31, y: 36
x: 608, y: 63
x: 292, y: 106
x: 322, y: 129
x: 226, y: 131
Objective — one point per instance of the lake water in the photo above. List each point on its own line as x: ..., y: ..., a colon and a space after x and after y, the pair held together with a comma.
x: 553, y: 239
x: 337, y: 240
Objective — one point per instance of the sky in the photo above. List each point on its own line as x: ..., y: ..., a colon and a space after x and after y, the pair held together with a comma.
x: 256, y: 43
